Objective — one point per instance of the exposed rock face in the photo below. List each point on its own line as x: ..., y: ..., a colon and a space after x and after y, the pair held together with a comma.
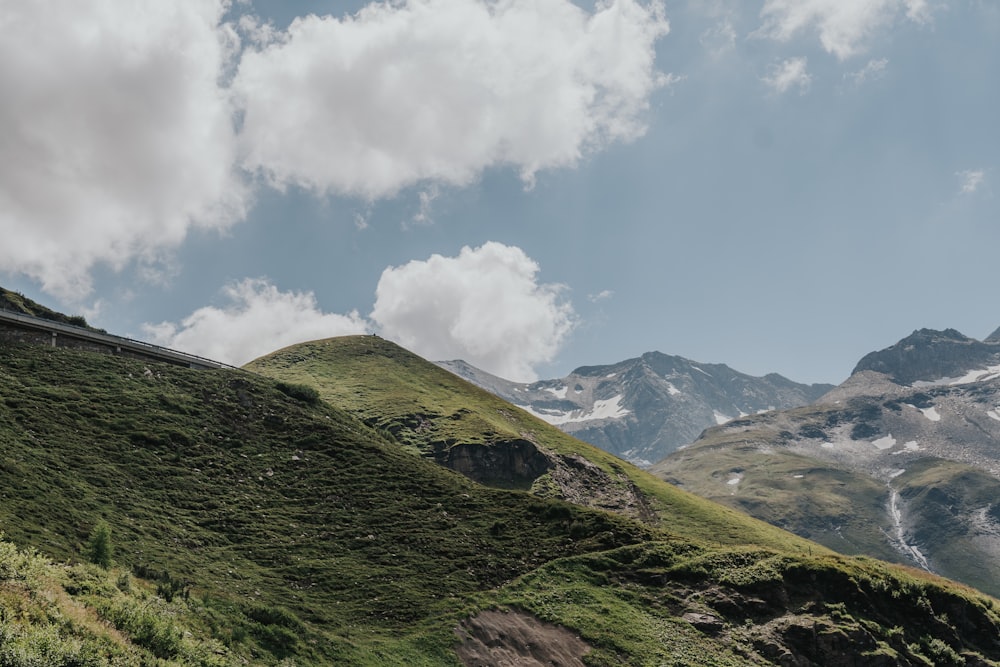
x: 582, y: 482
x: 509, y: 464
x: 642, y: 409
x: 521, y: 464
x: 517, y: 639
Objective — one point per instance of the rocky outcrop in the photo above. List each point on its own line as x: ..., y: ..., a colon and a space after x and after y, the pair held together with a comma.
x: 493, y: 638
x: 512, y: 464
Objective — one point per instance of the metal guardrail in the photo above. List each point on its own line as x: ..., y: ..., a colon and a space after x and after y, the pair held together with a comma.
x: 165, y: 353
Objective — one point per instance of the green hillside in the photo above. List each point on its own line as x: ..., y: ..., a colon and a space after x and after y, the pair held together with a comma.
x: 254, y: 523
x: 785, y: 468
x: 433, y: 412
x: 20, y: 304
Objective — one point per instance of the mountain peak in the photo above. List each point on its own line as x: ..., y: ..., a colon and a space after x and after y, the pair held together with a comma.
x: 929, y: 355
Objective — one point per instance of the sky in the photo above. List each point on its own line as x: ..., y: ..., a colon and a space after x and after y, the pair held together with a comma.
x: 529, y: 185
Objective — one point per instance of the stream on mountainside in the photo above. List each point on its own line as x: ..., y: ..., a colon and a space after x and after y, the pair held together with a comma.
x: 897, y: 521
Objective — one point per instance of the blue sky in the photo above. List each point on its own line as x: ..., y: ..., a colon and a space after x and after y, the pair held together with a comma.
x: 779, y: 185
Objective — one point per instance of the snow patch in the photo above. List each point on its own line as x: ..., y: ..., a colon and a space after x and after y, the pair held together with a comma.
x: 931, y: 413
x: 893, y: 474
x: 606, y: 409
x: 828, y: 445
x: 701, y: 371
x: 798, y: 476
x: 672, y: 390
x: 734, y: 480
x: 558, y: 393
x: 994, y: 414
x: 910, y: 446
x: 611, y: 375
x: 978, y: 375
x: 887, y: 442
x: 720, y: 418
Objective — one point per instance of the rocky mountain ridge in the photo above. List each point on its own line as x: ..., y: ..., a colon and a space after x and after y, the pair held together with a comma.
x: 902, y: 461
x: 642, y: 409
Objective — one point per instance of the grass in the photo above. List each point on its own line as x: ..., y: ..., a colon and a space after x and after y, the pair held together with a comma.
x: 253, y: 523
x: 259, y: 499
x: 18, y: 303
x: 836, y: 507
x: 426, y: 408
x: 944, y: 495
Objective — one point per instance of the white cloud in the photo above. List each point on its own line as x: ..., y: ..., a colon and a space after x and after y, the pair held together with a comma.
x: 117, y: 138
x: 426, y: 198
x: 972, y: 179
x: 260, y: 319
x: 439, y: 90
x: 484, y: 306
x: 873, y: 71
x: 720, y: 38
x: 788, y: 74
x: 844, y: 26
x: 603, y: 295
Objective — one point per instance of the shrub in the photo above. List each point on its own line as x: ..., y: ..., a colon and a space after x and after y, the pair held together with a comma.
x: 300, y: 392
x: 99, y: 550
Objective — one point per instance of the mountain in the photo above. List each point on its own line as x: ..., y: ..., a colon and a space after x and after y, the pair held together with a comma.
x: 642, y: 409
x: 255, y: 522
x: 936, y: 357
x: 901, y: 462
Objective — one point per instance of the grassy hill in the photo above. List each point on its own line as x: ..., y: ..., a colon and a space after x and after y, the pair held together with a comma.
x: 255, y: 523
x: 433, y: 412
x: 18, y: 303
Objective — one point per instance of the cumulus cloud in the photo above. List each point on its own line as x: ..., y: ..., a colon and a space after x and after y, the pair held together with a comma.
x: 259, y: 319
x: 484, y: 306
x: 439, y: 90
x: 844, y: 26
x: 788, y: 74
x: 117, y: 137
x: 972, y: 179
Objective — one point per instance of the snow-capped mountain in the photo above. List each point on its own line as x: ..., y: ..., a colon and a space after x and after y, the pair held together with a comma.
x: 642, y: 409
x: 901, y: 461
x: 939, y: 357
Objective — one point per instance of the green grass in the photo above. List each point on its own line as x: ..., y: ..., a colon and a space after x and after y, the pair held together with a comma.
x: 18, y: 303
x: 253, y: 523
x: 258, y: 499
x: 840, y: 509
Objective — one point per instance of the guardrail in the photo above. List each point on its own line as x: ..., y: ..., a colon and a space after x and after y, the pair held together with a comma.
x: 119, y: 342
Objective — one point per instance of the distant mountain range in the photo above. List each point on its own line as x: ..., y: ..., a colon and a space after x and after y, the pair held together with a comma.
x: 901, y: 461
x: 643, y: 409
